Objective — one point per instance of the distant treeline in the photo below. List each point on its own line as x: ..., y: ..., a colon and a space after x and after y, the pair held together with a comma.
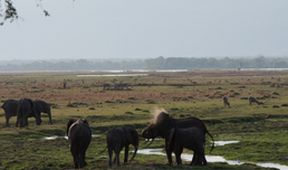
x: 150, y: 64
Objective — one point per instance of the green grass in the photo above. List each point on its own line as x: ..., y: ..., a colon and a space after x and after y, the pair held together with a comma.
x: 261, y: 130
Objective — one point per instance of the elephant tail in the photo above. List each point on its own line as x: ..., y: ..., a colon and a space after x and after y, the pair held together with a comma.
x: 213, y: 141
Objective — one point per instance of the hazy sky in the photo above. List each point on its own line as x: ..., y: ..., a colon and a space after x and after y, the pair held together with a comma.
x: 146, y: 28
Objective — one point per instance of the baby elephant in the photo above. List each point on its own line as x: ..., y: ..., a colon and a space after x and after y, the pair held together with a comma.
x: 191, y: 138
x: 79, y: 135
x: 118, y: 138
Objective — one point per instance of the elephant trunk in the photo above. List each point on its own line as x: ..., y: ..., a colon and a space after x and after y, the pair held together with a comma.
x: 213, y: 141
x: 134, y: 154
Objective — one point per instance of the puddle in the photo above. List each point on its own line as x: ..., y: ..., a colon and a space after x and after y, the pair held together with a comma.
x: 54, y: 137
x: 272, y: 165
x: 188, y: 157
x: 111, y: 75
x: 151, y: 152
x: 222, y: 143
x: 212, y: 159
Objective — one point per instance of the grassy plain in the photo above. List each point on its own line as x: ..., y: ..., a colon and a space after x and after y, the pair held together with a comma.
x: 262, y: 130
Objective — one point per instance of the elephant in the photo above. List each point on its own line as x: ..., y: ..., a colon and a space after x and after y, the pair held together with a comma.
x: 120, y: 137
x: 28, y: 108
x: 40, y: 106
x: 79, y: 136
x: 190, y: 138
x: 163, y: 123
x: 226, y: 101
x: 25, y: 110
x: 10, y: 108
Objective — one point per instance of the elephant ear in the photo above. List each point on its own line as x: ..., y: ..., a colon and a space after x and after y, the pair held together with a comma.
x: 130, y: 134
x: 161, y: 124
x: 162, y: 118
x: 70, y: 122
x: 135, y: 137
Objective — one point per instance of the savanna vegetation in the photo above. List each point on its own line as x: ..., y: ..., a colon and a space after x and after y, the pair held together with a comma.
x: 261, y: 129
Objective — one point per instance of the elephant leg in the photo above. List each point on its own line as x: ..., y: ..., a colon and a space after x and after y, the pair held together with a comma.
x: 37, y: 118
x: 126, y: 154
x: 114, y: 160
x: 117, y: 158
x: 194, y: 160
x: 18, y: 120
x: 75, y: 159
x: 21, y: 122
x: 50, y: 118
x: 7, y: 120
x: 83, y: 158
x: 25, y: 121
x: 178, y: 158
x: 82, y: 162
x: 75, y: 156
x: 110, y: 153
x: 199, y: 159
x: 202, y: 158
x: 168, y: 153
x: 178, y: 151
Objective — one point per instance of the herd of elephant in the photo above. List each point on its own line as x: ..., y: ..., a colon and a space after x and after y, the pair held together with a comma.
x: 24, y: 108
x: 178, y: 134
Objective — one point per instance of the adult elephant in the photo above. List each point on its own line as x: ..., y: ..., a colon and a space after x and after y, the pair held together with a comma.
x: 40, y: 106
x: 118, y: 138
x: 190, y: 138
x: 10, y: 108
x: 25, y: 110
x: 79, y: 135
x: 163, y: 124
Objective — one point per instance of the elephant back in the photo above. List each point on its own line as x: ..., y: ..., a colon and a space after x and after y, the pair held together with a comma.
x: 79, y: 129
x: 41, y: 106
x: 25, y: 106
x: 117, y: 135
x: 131, y: 135
x: 189, y: 122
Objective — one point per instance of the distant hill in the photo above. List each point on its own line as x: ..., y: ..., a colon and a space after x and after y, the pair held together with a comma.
x: 151, y: 64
